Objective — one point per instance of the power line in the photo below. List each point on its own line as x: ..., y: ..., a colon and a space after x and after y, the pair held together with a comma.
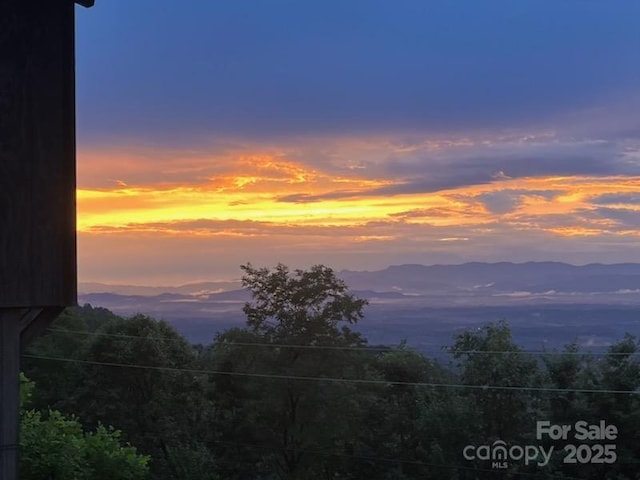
x: 359, y: 381
x: 388, y: 348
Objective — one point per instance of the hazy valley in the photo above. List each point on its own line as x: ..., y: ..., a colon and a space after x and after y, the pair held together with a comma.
x: 548, y: 304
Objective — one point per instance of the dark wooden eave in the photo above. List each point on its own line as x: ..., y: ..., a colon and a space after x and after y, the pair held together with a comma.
x: 85, y: 3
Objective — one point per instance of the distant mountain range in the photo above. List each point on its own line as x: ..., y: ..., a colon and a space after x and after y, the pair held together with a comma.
x: 482, y: 282
x: 188, y: 289
x: 549, y: 303
x: 500, y: 278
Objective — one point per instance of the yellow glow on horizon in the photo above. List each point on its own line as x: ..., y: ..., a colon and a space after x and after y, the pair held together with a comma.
x: 278, y: 192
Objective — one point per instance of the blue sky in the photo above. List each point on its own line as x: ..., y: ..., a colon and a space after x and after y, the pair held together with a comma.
x: 289, y: 67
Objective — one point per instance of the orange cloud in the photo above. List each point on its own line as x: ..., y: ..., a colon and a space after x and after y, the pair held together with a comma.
x: 367, y: 200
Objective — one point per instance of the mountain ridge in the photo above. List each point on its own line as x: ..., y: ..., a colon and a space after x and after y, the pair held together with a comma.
x: 437, y: 278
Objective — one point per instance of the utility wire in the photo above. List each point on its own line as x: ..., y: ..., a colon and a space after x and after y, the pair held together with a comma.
x: 389, y: 348
x: 359, y: 381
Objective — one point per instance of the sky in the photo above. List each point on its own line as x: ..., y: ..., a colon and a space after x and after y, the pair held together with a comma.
x: 357, y: 134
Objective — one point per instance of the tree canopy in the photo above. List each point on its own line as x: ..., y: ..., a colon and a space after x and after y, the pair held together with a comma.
x: 297, y: 393
x: 303, y: 305
x: 55, y: 446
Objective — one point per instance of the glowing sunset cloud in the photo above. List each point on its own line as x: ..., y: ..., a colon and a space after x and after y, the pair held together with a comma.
x: 271, y: 195
x: 365, y: 202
